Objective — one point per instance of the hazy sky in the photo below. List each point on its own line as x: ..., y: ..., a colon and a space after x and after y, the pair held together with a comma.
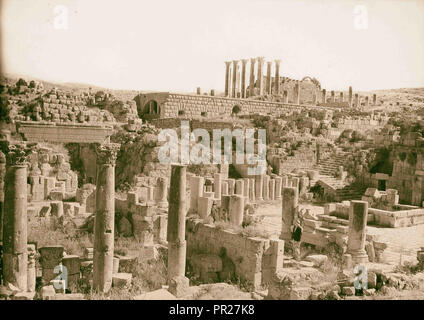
x: 179, y: 45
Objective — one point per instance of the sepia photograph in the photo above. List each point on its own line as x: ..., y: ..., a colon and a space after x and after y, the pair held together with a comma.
x: 212, y: 155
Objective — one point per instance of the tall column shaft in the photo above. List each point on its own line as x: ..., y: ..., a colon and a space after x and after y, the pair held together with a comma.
x: 234, y: 87
x: 260, y: 76
x: 350, y: 97
x: 15, y: 254
x: 252, y: 77
x: 176, y: 223
x: 277, y: 76
x: 104, y: 223
x: 289, y: 208
x: 243, y: 77
x: 268, y: 78
x: 341, y: 97
x: 358, y: 215
x: 324, y: 97
x: 227, y: 78
x: 297, y: 93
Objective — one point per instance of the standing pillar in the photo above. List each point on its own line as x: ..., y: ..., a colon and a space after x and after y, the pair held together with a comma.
x: 297, y: 93
x: 231, y: 186
x: 31, y: 275
x: 239, y: 187
x: 104, y: 223
x: 333, y: 97
x: 161, y: 192
x: 374, y: 99
x: 266, y: 187
x: 176, y: 231
x: 357, y: 105
x: 236, y: 209
x: 259, y: 184
x: 324, y: 98
x: 252, y: 189
x: 15, y: 254
x: 277, y: 76
x: 272, y: 189
x: 234, y: 86
x: 243, y: 77
x: 227, y: 77
x: 217, y: 185
x: 223, y: 170
x: 246, y: 182
x: 315, y: 98
x: 260, y: 77
x: 224, y: 188
x: 289, y: 208
x: 350, y: 97
x: 2, y: 177
x: 367, y: 103
x: 252, y: 77
x: 268, y: 78
x: 358, y: 214
x: 341, y: 97
x: 278, y: 182
x: 196, y: 191
x: 285, y: 97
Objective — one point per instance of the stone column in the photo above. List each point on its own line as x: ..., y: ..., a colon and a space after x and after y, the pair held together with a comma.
x: 236, y: 209
x: 266, y: 187
x: 260, y: 77
x: 15, y: 254
x: 198, y: 90
x: 277, y: 76
x: 2, y: 177
x: 243, y: 77
x: 358, y: 214
x: 227, y: 78
x: 231, y: 186
x: 246, y: 182
x: 196, y: 191
x: 272, y: 189
x: 234, y: 86
x: 333, y: 97
x: 161, y: 192
x: 104, y: 223
x: 278, y: 183
x: 239, y: 187
x: 268, y: 78
x: 357, y: 100
x: 297, y: 93
x: 217, y: 185
x: 252, y: 189
x: 324, y: 97
x: 367, y: 104
x: 176, y: 230
x: 285, y: 97
x: 224, y: 188
x: 374, y: 99
x: 259, y: 184
x: 315, y: 98
x: 341, y: 97
x: 31, y: 275
x: 289, y: 208
x: 350, y: 97
x: 252, y: 77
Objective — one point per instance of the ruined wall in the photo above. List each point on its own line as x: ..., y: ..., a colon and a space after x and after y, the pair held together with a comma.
x: 249, y: 255
x: 187, y: 106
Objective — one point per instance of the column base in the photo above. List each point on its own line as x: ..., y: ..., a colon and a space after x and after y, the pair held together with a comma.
x: 358, y: 256
x: 179, y: 286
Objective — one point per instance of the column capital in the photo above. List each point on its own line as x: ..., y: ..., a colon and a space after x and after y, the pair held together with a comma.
x: 244, y: 61
x: 227, y: 63
x: 253, y: 60
x: 107, y: 153
x: 269, y: 63
x: 18, y: 153
x: 261, y: 59
x: 277, y: 62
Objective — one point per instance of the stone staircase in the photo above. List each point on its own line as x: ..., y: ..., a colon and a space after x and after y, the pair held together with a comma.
x: 330, y: 166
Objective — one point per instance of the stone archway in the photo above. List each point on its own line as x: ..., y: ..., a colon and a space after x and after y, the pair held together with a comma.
x: 151, y: 107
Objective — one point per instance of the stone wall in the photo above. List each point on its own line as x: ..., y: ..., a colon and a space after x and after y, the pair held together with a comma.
x: 253, y: 257
x: 187, y: 106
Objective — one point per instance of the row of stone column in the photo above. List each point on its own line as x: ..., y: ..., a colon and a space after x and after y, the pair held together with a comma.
x: 15, y: 247
x: 352, y: 103
x: 235, y: 85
